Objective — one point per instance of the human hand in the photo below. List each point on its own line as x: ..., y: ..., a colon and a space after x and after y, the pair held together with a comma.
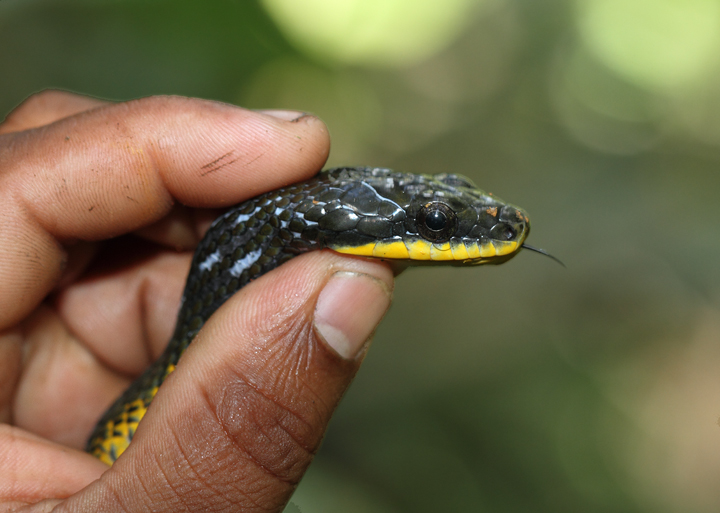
x: 236, y: 425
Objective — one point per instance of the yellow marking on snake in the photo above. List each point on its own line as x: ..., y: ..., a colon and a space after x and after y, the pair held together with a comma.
x: 169, y: 369
x: 441, y: 251
x: 473, y: 250
x: 364, y: 250
x: 393, y: 249
x: 502, y: 247
x: 459, y: 251
x: 487, y: 250
x: 420, y: 249
x: 121, y: 432
x: 401, y: 250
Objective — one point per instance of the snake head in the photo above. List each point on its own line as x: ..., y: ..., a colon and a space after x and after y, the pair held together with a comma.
x: 441, y: 218
x: 464, y: 224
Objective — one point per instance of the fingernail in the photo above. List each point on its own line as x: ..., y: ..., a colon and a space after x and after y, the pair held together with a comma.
x: 349, y: 309
x: 285, y: 115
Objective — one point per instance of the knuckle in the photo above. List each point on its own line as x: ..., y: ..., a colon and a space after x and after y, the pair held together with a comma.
x: 36, y: 102
x: 45, y: 95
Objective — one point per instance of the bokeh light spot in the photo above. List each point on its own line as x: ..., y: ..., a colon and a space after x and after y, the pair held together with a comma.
x: 372, y: 32
x: 657, y: 44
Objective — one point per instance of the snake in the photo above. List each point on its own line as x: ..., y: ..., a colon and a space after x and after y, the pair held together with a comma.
x: 362, y: 211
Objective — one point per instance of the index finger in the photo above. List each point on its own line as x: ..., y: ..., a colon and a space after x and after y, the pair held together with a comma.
x: 119, y: 167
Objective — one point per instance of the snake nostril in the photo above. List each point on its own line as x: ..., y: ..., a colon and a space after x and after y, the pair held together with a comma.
x: 503, y: 231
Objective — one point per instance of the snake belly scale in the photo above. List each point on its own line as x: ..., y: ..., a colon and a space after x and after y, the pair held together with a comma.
x: 369, y: 212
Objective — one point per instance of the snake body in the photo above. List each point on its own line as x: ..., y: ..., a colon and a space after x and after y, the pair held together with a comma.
x: 370, y: 212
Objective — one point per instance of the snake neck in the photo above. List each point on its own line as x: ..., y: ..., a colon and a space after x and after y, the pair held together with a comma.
x: 249, y: 240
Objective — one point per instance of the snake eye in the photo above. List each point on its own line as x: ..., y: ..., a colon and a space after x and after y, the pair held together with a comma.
x: 436, y: 222
x: 502, y: 231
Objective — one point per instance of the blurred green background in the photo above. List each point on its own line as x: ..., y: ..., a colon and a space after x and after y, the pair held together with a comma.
x: 524, y: 387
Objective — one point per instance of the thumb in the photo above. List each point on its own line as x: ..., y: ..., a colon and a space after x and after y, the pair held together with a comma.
x: 237, y: 424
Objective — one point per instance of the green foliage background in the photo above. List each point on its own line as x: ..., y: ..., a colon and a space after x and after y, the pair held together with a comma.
x: 524, y: 387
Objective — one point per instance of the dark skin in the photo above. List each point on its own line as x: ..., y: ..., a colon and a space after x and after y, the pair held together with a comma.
x: 237, y: 424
